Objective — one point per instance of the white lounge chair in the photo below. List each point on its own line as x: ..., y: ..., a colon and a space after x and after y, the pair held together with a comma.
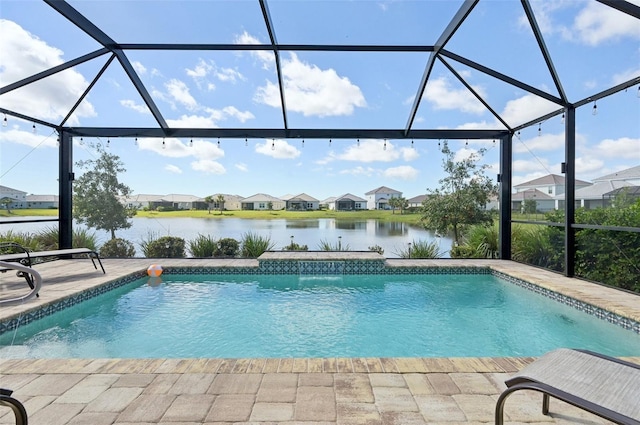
x: 605, y: 386
x: 25, y: 257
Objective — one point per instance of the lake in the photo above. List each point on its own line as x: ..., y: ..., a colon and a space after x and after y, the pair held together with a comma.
x: 358, y: 235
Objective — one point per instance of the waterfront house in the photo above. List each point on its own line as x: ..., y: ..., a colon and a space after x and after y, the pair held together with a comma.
x: 42, y: 201
x: 301, y: 202
x: 544, y: 190
x: 183, y: 202
x: 262, y: 201
x: 346, y: 202
x: 231, y: 202
x: 378, y: 199
x: 142, y: 201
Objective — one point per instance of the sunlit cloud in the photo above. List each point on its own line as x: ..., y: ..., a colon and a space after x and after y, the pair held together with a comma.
x: 173, y: 169
x: 264, y: 56
x: 598, y: 23
x: 175, y: 148
x: 403, y: 172
x: 208, y: 166
x: 179, y: 92
x: 440, y: 93
x: 139, y: 67
x: 624, y: 147
x: 545, y: 142
x: 242, y: 167
x: 360, y: 171
x: 138, y: 107
x: 23, y: 55
x: 27, y: 138
x: 279, y: 149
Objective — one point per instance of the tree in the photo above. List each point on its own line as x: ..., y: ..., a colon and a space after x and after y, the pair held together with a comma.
x: 220, y: 202
x: 6, y: 201
x: 393, y: 203
x: 96, y: 194
x: 209, y: 201
x: 462, y: 196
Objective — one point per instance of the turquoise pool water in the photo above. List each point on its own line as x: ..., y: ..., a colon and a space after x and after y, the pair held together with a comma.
x: 293, y: 316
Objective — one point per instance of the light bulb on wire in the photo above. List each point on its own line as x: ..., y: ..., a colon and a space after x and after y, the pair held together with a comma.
x: 595, y: 109
x: 5, y: 122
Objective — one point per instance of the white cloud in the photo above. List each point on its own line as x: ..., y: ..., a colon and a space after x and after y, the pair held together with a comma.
x: 278, y: 149
x: 403, y: 172
x: 14, y: 135
x: 265, y: 56
x: 625, y: 76
x: 360, y: 171
x: 179, y: 92
x: 229, y: 75
x: 312, y: 91
x: 193, y: 121
x: 624, y: 147
x: 208, y: 166
x: 138, y: 107
x: 242, y: 166
x: 441, y: 95
x: 232, y: 111
x: 173, y: 169
x: 525, y: 108
x: 587, y: 164
x: 174, y: 148
x: 23, y: 55
x: 139, y: 67
x: 409, y: 154
x: 597, y: 23
x: 201, y: 69
x: 543, y: 143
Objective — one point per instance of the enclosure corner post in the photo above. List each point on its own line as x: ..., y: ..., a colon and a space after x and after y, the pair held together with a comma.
x: 570, y: 191
x: 65, y: 190
x: 504, y: 233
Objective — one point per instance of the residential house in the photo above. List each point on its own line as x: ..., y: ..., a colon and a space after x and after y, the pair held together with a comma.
x: 183, y: 202
x: 544, y: 190
x: 231, y: 202
x: 142, y: 201
x: 346, y: 202
x: 378, y: 199
x: 605, y: 188
x: 12, y: 198
x: 262, y: 201
x: 43, y: 201
x: 416, y: 201
x: 301, y: 202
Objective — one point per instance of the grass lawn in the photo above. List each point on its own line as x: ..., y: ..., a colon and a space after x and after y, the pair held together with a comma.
x: 411, y: 218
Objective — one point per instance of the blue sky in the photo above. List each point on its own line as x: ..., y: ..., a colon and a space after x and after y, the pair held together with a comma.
x: 593, y: 48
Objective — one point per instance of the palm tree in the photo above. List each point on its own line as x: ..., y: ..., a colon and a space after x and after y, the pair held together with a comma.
x: 220, y: 202
x: 209, y: 201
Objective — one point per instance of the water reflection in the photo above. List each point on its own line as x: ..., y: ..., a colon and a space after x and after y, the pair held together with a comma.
x: 359, y: 235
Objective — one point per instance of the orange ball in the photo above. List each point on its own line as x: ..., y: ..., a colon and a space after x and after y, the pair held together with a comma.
x: 154, y: 270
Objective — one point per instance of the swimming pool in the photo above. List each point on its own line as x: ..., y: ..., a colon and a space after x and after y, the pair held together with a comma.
x: 267, y: 315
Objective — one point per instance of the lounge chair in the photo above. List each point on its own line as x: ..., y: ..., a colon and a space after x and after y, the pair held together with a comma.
x: 18, y: 409
x: 603, y: 385
x: 20, y: 254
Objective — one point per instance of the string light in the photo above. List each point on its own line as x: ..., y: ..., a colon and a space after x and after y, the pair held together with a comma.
x: 329, y: 142
x: 303, y: 143
x: 412, y: 147
x: 539, y: 129
x: 273, y: 145
x: 108, y: 143
x: 164, y: 145
x: 81, y: 141
x: 384, y: 148
x: 595, y: 109
x: 191, y: 143
x: 5, y: 122
x: 358, y: 142
x: 637, y: 94
x: 246, y: 142
x: 135, y: 142
x: 218, y: 142
x: 33, y: 128
x: 466, y: 143
x: 562, y: 119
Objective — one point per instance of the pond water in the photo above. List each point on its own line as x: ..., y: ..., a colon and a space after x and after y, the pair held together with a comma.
x: 358, y: 235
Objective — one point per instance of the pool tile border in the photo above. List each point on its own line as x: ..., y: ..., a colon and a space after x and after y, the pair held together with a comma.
x: 348, y: 267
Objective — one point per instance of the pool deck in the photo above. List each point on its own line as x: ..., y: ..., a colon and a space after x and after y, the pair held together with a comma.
x: 340, y: 391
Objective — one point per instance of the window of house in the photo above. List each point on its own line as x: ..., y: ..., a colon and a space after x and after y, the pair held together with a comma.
x: 550, y: 191
x: 262, y: 205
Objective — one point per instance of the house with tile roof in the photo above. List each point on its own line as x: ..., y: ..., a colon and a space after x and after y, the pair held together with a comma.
x: 604, y: 189
x: 43, y: 201
x: 300, y: 202
x: 378, y: 199
x: 544, y: 190
x: 13, y: 198
x: 262, y: 201
x: 346, y: 202
x: 231, y: 202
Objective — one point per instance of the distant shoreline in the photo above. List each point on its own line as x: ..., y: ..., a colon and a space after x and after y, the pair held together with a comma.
x: 381, y: 215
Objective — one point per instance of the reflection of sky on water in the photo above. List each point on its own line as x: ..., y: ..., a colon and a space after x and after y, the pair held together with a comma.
x: 358, y: 235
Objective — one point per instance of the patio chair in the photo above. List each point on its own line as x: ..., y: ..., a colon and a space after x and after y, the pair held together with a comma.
x: 605, y: 386
x: 18, y: 253
x: 19, y: 411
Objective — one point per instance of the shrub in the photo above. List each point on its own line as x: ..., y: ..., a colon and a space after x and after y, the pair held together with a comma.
x: 26, y: 240
x: 118, y: 248
x: 421, y: 249
x: 227, y: 247
x: 165, y: 247
x: 327, y: 246
x: 377, y: 248
x: 203, y: 246
x: 254, y: 245
x: 295, y: 247
x: 81, y: 238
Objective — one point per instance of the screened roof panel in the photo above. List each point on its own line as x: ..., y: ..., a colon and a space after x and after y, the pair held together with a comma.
x: 361, y: 22
x: 172, y: 21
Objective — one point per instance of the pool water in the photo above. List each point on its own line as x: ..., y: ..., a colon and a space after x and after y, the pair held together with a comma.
x: 234, y: 316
